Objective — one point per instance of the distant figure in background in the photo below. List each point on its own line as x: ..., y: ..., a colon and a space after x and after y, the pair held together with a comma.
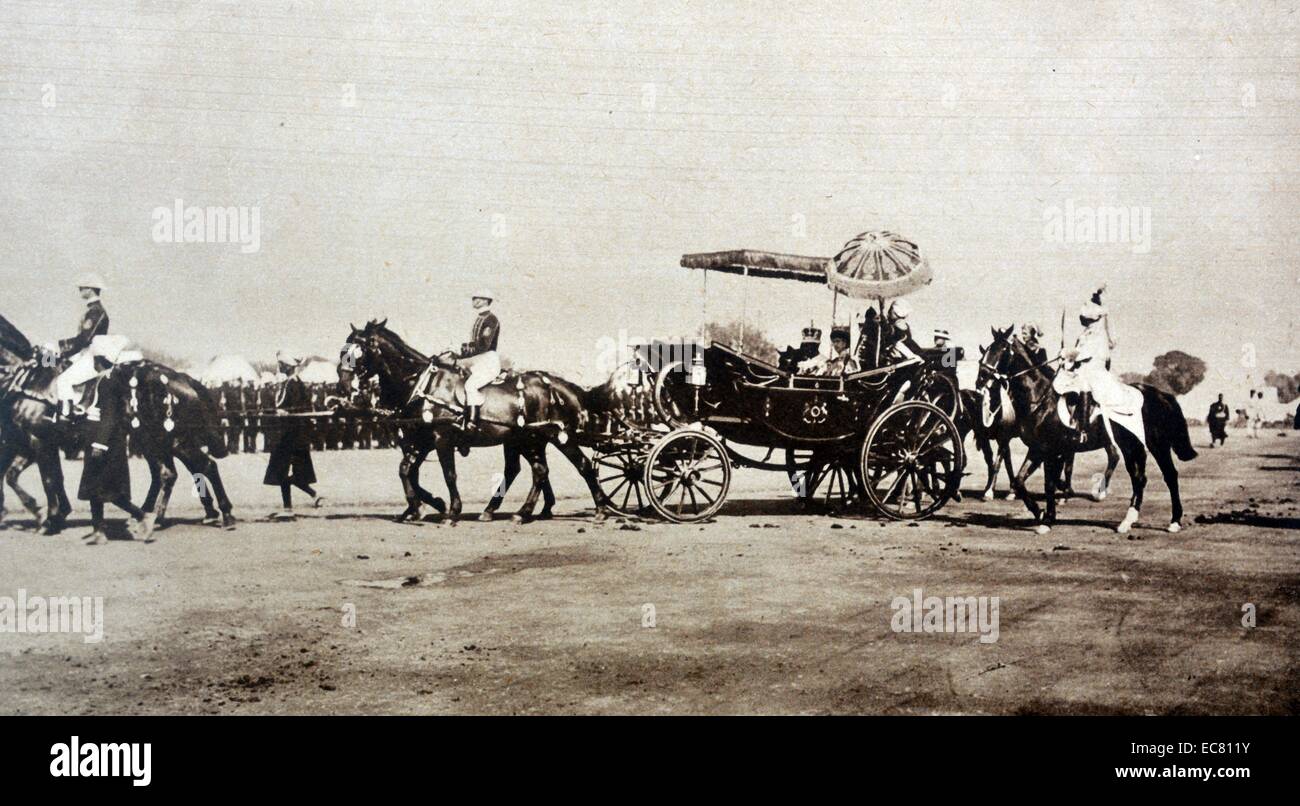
x: 290, y: 464
x: 270, y: 425
x: 1252, y: 416
x: 1296, y: 424
x: 942, y: 338
x: 1217, y: 420
x: 248, y: 397
x: 234, y: 407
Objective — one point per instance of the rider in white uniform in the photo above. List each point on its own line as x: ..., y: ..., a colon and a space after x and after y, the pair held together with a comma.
x: 1086, y: 368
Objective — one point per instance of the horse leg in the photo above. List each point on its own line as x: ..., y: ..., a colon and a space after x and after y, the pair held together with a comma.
x: 167, y: 475
x: 1170, y: 473
x: 539, y: 477
x: 155, y: 480
x: 991, y: 464
x: 1067, y: 475
x: 19, y: 463
x: 548, y: 494
x: 409, y: 471
x: 1135, y: 461
x: 1027, y: 467
x: 1051, y: 474
x: 588, y: 472
x: 509, y: 471
x: 447, y: 458
x: 1112, y: 460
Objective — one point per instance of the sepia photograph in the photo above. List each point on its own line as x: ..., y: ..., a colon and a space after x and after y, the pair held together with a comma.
x: 404, y: 358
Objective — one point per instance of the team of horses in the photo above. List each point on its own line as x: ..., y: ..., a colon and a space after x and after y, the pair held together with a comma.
x: 175, y: 417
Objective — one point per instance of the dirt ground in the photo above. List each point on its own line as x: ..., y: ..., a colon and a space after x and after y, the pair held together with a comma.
x: 765, y: 610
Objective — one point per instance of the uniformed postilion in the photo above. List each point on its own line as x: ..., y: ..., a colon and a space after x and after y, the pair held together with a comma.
x: 689, y: 358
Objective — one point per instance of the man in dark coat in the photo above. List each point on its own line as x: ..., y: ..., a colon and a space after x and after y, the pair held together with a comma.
x: 270, y: 425
x: 105, y: 475
x: 290, y: 464
x: 248, y: 396
x: 1217, y: 420
x: 233, y: 406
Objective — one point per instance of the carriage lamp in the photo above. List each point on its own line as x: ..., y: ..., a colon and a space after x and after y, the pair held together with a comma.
x: 698, y: 375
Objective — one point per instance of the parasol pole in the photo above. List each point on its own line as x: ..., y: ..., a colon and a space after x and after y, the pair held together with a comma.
x: 744, y: 312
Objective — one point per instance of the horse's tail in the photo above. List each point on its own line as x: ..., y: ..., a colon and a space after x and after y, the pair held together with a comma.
x: 1169, y: 421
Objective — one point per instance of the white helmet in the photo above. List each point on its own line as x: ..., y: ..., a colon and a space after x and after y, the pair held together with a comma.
x: 900, y: 309
x: 483, y: 293
x: 91, y: 280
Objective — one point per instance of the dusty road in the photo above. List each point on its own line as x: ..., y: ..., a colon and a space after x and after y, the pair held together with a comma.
x: 765, y: 610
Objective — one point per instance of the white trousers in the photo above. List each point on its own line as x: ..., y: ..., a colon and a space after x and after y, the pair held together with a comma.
x: 483, y: 369
x: 78, y: 372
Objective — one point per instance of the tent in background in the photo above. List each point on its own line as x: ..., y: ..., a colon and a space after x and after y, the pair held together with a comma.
x: 319, y: 371
x: 227, y: 369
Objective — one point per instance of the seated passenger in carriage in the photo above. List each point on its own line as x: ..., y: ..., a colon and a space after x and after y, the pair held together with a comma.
x: 839, y: 362
x: 896, y: 339
x: 790, y: 358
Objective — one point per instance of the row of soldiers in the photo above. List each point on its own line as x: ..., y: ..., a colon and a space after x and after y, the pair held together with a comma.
x: 248, y: 411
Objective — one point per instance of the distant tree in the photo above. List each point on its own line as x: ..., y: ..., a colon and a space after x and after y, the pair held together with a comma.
x: 1176, y: 372
x: 1288, y: 386
x: 754, y: 343
x: 1133, y: 377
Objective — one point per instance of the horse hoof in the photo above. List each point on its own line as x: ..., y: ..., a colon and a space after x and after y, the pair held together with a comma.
x: 988, y: 495
x: 1101, y: 496
x: 1175, y: 527
x: 956, y: 496
x: 599, y: 517
x: 545, y: 515
x: 517, y: 519
x: 486, y: 517
x: 1011, y: 496
x: 1042, y: 528
x: 1127, y: 523
x: 408, y: 515
x: 440, y: 505
x: 228, y: 522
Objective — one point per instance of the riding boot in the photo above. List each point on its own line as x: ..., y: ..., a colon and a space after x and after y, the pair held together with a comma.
x: 471, y: 418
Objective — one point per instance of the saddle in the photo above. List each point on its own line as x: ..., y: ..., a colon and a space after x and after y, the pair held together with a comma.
x: 457, y: 402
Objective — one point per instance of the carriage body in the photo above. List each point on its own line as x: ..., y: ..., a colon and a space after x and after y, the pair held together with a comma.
x: 841, y: 440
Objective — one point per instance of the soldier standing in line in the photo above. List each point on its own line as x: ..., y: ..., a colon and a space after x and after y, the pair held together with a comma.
x: 234, y: 415
x: 248, y: 396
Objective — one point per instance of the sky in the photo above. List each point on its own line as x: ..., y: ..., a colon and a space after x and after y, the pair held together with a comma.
x: 402, y: 155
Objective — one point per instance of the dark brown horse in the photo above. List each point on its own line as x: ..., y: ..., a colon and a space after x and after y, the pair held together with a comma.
x: 1053, y: 442
x: 172, y: 417
x: 524, y: 414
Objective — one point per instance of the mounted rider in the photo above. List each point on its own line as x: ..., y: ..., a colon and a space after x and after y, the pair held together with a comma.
x: 1085, y: 371
x: 76, y: 349
x: 479, y: 355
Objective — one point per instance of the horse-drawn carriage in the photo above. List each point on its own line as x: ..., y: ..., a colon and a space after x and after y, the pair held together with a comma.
x: 882, y: 436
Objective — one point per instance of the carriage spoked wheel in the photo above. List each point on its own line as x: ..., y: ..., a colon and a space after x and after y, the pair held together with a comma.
x: 829, y: 479
x: 620, y: 474
x: 668, y: 379
x: 911, y: 461
x: 939, y: 389
x: 687, y: 475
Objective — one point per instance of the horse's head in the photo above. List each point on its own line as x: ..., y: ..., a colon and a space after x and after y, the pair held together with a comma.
x: 362, y: 354
x: 996, y: 359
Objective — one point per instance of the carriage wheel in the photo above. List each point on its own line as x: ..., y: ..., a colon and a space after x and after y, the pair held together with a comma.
x: 688, y: 475
x: 911, y: 461
x: 668, y: 378
x: 941, y: 390
x: 620, y: 474
x: 835, y: 475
